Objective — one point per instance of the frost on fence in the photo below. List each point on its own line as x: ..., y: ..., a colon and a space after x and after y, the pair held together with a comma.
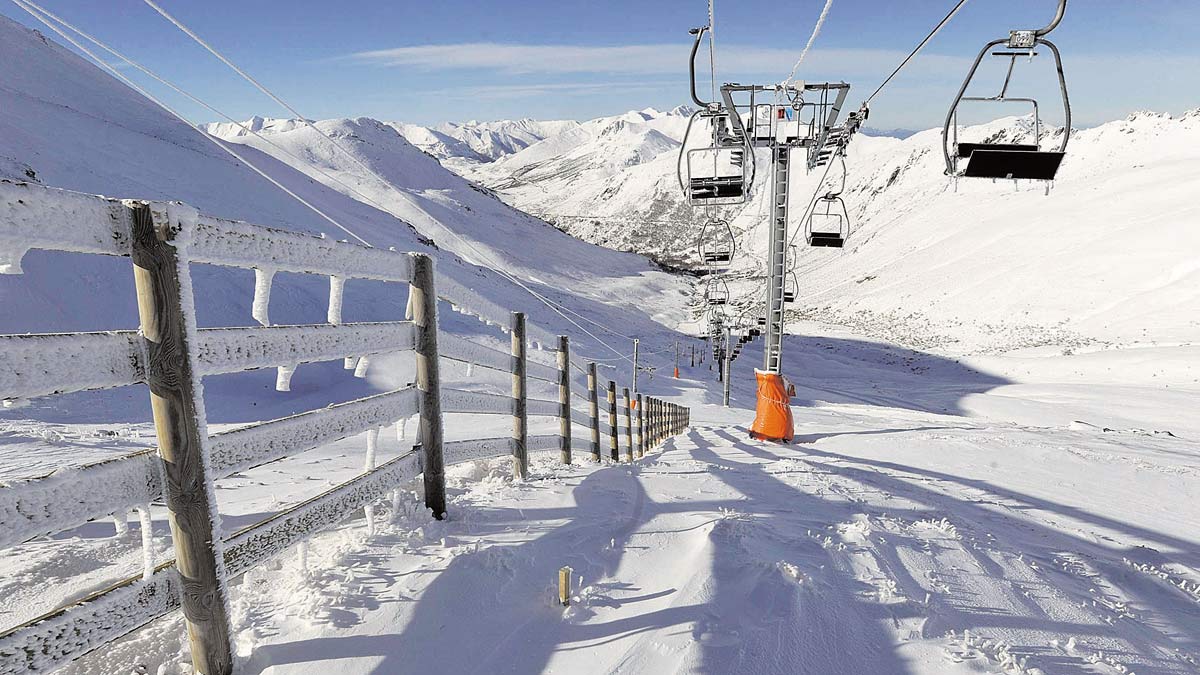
x: 541, y: 371
x: 456, y: 452
x: 38, y: 365
x: 542, y: 442
x: 469, y: 302
x: 236, y: 244
x: 255, y: 544
x: 227, y: 350
x: 240, y: 449
x: 461, y: 401
x: 535, y: 406
x: 71, y: 497
x: 453, y: 347
x: 47, y: 644
x: 35, y: 217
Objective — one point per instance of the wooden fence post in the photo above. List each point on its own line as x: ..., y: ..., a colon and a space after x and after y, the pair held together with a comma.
x: 641, y: 424
x: 520, y: 432
x: 163, y: 281
x: 424, y: 316
x: 594, y: 410
x: 613, y: 445
x: 629, y: 453
x: 564, y: 398
x: 651, y: 423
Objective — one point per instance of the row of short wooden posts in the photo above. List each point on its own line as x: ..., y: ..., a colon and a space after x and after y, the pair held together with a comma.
x: 645, y: 420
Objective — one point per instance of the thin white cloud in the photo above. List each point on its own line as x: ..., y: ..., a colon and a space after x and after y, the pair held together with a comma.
x: 509, y: 91
x: 647, y: 59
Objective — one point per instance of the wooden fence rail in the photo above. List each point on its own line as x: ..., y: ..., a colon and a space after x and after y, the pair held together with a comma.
x: 172, y: 355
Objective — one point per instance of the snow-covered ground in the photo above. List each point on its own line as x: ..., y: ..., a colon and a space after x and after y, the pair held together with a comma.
x: 997, y: 457
x: 931, y: 518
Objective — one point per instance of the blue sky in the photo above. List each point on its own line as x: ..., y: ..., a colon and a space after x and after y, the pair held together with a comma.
x: 470, y: 59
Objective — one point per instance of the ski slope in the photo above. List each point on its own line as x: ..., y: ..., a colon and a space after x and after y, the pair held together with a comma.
x: 907, y: 531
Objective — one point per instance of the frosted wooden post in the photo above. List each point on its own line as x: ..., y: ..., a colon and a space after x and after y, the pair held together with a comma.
x: 650, y: 430
x: 654, y: 422
x: 660, y: 413
x: 162, y: 281
x: 423, y: 300
x: 520, y: 434
x: 594, y: 411
x: 629, y: 453
x: 641, y: 424
x: 614, y: 449
x: 564, y: 398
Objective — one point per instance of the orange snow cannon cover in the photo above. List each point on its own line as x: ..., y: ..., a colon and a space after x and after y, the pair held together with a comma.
x: 773, y: 417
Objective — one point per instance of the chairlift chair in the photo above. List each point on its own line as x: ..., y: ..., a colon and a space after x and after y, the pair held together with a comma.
x: 716, y: 255
x: 718, y: 170
x: 790, y: 284
x: 717, y: 293
x: 829, y: 223
x: 1009, y: 160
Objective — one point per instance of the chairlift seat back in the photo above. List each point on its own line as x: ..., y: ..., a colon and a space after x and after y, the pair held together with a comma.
x: 827, y: 239
x: 965, y: 149
x: 1013, y: 164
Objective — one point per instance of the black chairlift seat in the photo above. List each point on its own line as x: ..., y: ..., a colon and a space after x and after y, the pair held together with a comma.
x: 717, y: 301
x: 716, y: 188
x: 827, y: 239
x: 717, y: 257
x: 789, y: 296
x: 754, y: 332
x: 1011, y: 162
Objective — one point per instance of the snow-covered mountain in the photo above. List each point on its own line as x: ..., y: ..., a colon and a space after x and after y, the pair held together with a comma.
x: 65, y: 124
x: 1107, y: 255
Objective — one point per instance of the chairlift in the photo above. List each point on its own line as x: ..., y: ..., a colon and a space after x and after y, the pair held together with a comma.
x: 718, y: 170
x: 829, y: 223
x: 1009, y: 160
x: 716, y: 293
x: 717, y: 254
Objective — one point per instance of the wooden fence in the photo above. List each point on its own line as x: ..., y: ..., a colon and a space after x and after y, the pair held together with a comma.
x: 172, y: 355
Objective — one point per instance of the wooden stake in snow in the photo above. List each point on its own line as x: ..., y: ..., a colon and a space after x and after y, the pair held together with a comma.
x: 564, y: 399
x: 519, y: 427
x: 564, y: 586
x: 162, y: 281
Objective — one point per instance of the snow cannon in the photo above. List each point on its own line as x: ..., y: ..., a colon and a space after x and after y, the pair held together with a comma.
x: 773, y: 413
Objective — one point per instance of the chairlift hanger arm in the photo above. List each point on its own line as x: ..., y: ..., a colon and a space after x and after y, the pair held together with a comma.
x: 1058, y: 17
x: 699, y: 33
x: 1062, y: 84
